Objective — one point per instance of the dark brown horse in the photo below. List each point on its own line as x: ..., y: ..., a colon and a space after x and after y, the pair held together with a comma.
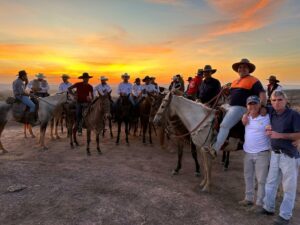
x: 145, y: 109
x: 123, y: 114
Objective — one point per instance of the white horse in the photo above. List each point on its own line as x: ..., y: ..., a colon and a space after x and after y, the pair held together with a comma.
x: 197, y: 119
x: 49, y: 107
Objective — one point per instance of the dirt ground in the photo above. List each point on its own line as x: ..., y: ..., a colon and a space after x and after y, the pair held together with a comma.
x: 125, y: 185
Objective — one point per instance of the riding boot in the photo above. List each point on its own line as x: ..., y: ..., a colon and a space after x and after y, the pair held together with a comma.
x: 31, y: 118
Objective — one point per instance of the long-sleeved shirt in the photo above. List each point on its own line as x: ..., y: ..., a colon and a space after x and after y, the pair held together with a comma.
x: 136, y: 90
x: 149, y: 88
x: 18, y: 87
x: 36, y: 84
x: 102, y: 89
x: 63, y: 87
x: 124, y: 88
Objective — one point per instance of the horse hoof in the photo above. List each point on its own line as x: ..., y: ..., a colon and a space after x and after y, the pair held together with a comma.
x: 197, y: 174
x: 88, y: 153
x: 99, y: 153
x: 174, y: 172
x: 32, y: 136
x: 225, y: 169
x: 45, y: 148
x: 57, y: 137
x: 205, y: 190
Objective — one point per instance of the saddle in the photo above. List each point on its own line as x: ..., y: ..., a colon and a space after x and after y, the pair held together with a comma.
x: 235, y: 139
x: 19, y: 110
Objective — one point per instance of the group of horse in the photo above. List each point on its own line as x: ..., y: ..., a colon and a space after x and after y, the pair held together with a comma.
x: 172, y: 116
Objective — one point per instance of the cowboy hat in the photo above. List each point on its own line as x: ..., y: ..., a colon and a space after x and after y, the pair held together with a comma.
x: 200, y: 72
x: 125, y: 75
x: 103, y: 78
x: 208, y: 68
x: 40, y: 76
x: 251, y: 66
x: 273, y: 78
x: 189, y: 79
x: 152, y: 78
x: 146, y: 78
x: 84, y: 75
x: 65, y: 76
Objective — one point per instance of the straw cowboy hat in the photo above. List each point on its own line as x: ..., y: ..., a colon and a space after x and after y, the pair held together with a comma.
x: 84, y: 75
x: 125, y: 75
x: 103, y: 78
x: 251, y: 66
x: 200, y: 72
x: 146, y: 78
x: 65, y: 76
x: 208, y: 68
x: 40, y: 76
x: 273, y: 78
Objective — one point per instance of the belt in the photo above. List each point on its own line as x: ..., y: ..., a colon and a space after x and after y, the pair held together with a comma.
x: 277, y: 151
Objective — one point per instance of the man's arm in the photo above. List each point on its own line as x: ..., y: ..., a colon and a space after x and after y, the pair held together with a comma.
x: 70, y: 89
x: 287, y: 136
x: 263, y: 98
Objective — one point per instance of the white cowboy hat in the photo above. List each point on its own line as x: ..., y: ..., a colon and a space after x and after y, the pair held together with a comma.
x: 40, y: 76
x: 103, y: 78
x: 125, y: 75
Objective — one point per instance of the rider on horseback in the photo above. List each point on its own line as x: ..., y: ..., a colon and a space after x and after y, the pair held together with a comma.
x: 125, y: 88
x: 19, y: 86
x: 210, y: 87
x: 84, y: 95
x: 194, y: 85
x: 39, y: 87
x: 65, y: 84
x: 103, y: 88
x: 240, y: 90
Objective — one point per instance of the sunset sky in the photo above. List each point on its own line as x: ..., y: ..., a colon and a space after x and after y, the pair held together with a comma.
x: 149, y: 37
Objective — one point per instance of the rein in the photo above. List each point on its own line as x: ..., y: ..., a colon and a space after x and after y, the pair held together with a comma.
x: 204, y: 119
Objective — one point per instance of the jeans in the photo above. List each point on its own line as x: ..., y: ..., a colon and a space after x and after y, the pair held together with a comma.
x: 232, y: 117
x: 286, y: 167
x: 79, y: 109
x: 26, y: 101
x: 256, y: 165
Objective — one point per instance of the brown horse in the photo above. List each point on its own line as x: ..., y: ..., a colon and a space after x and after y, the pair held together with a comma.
x: 145, y: 109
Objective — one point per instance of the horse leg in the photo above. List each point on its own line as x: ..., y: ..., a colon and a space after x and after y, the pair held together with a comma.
x: 179, y: 158
x: 203, y: 157
x: 195, y: 157
x: 71, y: 136
x: 62, y: 124
x: 88, y: 141
x: 127, y: 131
x: 144, y: 131
x: 30, y: 131
x: 75, y: 136
x: 56, y: 128
x: 207, y: 185
x: 25, y: 128
x: 119, y: 131
x: 150, y: 137
x: 42, y: 135
x: 2, y: 125
x: 226, y: 162
x: 223, y: 157
x: 51, y: 129
x: 98, y: 140
x: 110, y: 128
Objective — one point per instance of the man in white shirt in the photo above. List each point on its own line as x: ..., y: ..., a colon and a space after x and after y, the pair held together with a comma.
x: 136, y: 93
x: 148, y: 88
x: 125, y: 87
x: 63, y: 87
x: 39, y: 86
x: 103, y: 88
x: 257, y: 153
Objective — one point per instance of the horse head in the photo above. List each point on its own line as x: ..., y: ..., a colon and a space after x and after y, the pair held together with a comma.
x: 156, y: 102
x: 163, y: 109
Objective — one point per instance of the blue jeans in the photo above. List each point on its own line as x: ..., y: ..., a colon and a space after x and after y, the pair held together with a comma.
x: 79, y: 109
x: 285, y: 167
x: 26, y: 101
x: 232, y: 117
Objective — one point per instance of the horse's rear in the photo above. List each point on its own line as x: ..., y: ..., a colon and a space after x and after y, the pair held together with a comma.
x: 123, y: 114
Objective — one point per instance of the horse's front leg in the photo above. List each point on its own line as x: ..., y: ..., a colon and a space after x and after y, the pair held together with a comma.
x: 179, y: 157
x: 30, y: 130
x: 144, y: 124
x: 195, y: 157
x: 226, y: 162
x: 208, y: 160
x: 2, y: 125
x: 110, y: 128
x: 25, y: 128
x: 204, y: 164
x: 119, y: 131
x: 88, y: 141
x: 42, y: 135
x: 74, y: 133
x: 98, y: 140
x: 150, y: 136
x: 56, y: 128
x: 127, y: 131
x: 51, y: 129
